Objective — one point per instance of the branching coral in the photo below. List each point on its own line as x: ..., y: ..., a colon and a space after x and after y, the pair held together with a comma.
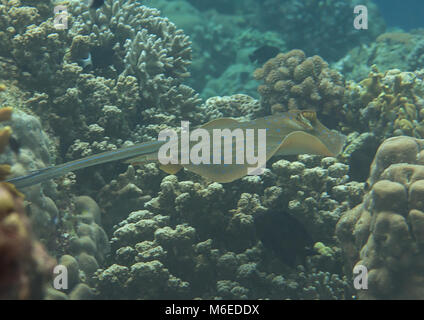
x: 116, y: 61
x: 293, y: 81
x: 388, y: 104
x: 201, y: 240
x: 140, y: 43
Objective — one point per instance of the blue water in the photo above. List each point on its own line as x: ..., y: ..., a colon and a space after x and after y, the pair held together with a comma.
x: 406, y: 14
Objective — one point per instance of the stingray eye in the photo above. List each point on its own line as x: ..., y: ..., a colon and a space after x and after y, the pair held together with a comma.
x: 310, y: 115
x: 304, y: 120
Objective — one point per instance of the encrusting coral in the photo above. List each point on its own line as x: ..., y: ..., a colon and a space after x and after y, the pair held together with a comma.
x: 385, y: 232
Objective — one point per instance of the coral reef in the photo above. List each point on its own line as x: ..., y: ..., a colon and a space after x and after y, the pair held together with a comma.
x: 126, y: 37
x: 25, y: 266
x: 120, y: 73
x: 86, y: 249
x: 388, y: 104
x: 235, y: 106
x: 191, y: 240
x: 114, y: 68
x: 384, y: 232
x: 391, y: 50
x: 33, y: 152
x: 320, y: 27
x: 293, y: 81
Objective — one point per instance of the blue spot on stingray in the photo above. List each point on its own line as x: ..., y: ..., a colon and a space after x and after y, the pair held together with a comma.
x: 278, y: 130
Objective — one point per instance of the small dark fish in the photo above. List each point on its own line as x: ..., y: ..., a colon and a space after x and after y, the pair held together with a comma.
x: 14, y: 145
x: 95, y: 4
x: 284, y: 235
x: 102, y: 57
x: 263, y: 54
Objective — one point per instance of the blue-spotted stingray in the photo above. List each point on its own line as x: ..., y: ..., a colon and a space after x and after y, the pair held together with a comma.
x: 290, y: 133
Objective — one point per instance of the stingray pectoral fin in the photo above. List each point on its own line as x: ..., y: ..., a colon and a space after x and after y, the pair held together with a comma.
x: 300, y: 142
x: 219, y: 172
x: 222, y: 123
x: 170, y: 168
x: 143, y: 159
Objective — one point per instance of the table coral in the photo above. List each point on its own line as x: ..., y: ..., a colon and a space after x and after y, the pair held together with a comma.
x: 384, y: 232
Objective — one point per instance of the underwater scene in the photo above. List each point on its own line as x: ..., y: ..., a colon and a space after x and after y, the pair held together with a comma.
x: 211, y: 149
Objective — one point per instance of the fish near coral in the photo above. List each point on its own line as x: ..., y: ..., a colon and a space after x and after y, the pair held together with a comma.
x: 95, y: 4
x: 291, y: 133
x: 264, y: 53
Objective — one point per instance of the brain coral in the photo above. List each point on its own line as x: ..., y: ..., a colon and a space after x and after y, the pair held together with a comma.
x: 293, y: 81
x: 385, y: 232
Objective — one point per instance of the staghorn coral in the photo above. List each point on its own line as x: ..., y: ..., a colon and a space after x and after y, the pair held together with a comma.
x: 293, y: 81
x: 384, y: 232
